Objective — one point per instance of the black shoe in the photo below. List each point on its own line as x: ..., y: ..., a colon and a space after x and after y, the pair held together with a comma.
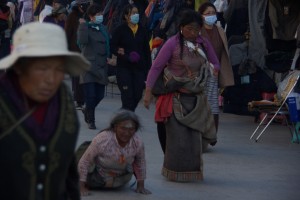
x: 91, y: 125
x: 89, y: 117
x: 213, y: 143
x: 78, y: 106
x: 85, y: 115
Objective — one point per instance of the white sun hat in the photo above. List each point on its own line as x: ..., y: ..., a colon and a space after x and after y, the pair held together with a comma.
x: 44, y: 40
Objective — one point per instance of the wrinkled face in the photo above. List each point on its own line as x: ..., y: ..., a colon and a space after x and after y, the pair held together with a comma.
x: 41, y: 77
x: 124, y: 132
x: 190, y: 31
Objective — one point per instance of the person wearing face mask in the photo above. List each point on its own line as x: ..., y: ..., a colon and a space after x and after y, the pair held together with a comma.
x: 71, y: 26
x: 58, y: 16
x: 218, y: 39
x: 93, y: 40
x: 130, y: 43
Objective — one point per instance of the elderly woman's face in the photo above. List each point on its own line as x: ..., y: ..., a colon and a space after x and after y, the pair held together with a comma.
x: 124, y: 132
x: 41, y: 77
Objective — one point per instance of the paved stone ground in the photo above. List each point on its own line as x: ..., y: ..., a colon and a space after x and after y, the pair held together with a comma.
x: 235, y: 169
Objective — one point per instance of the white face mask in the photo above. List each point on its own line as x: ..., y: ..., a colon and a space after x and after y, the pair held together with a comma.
x: 98, y: 19
x: 210, y: 20
x: 135, y: 18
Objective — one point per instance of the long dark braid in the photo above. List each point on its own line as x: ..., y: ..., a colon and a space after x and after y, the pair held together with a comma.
x: 181, y: 43
x: 187, y: 16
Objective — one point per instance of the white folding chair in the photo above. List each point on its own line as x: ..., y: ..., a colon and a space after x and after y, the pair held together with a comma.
x: 277, y: 107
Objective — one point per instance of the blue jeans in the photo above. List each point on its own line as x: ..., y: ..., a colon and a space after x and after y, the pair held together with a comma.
x: 93, y: 94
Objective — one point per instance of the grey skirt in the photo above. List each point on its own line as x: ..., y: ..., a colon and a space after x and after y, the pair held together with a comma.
x: 183, y: 155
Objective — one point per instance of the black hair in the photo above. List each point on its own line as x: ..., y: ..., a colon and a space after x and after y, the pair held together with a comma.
x: 188, y: 16
x: 62, y: 2
x: 3, y: 2
x: 127, y: 10
x: 204, y: 6
x: 49, y: 2
x: 83, y: 6
x: 93, y: 9
x: 190, y: 5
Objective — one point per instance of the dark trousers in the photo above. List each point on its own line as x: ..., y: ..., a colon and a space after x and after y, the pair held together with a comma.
x: 77, y: 91
x: 93, y: 94
x: 4, y: 46
x: 131, y: 83
x: 161, y: 131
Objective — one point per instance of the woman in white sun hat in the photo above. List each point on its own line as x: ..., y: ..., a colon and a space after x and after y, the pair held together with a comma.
x: 39, y: 124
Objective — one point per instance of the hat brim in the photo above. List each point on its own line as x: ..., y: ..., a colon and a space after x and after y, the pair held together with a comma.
x: 75, y: 63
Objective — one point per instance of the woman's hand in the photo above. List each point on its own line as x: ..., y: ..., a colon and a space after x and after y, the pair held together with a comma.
x: 81, y: 20
x: 112, y: 61
x: 140, y: 188
x: 83, y: 189
x: 216, y: 72
x: 121, y: 51
x: 147, y: 97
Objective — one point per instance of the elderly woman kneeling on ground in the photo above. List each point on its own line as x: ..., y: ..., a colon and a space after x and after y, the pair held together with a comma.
x: 116, y: 154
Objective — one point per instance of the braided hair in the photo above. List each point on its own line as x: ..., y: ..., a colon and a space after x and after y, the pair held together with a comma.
x: 187, y: 16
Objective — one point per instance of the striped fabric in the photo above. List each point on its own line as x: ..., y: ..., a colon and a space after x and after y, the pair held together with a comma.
x: 182, y: 176
x: 211, y: 91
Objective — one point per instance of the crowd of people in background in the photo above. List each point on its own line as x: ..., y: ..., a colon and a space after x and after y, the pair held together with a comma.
x: 150, y: 21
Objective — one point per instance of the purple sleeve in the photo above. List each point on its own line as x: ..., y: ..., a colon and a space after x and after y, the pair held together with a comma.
x: 160, y: 61
x: 212, y: 57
